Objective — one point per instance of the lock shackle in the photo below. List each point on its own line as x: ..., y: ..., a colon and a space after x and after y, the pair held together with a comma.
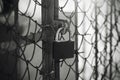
x: 63, y: 30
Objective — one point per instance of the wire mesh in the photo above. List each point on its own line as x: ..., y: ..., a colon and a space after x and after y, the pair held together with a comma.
x: 92, y: 24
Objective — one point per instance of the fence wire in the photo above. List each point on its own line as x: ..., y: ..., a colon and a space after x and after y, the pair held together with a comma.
x: 92, y: 24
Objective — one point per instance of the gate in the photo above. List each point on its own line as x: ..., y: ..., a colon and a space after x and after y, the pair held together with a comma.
x: 33, y: 33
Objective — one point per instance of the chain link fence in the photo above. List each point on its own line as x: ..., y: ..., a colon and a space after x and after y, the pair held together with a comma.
x: 93, y: 25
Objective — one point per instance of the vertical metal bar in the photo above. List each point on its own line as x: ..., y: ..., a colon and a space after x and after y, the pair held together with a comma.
x: 56, y: 16
x: 16, y: 13
x: 111, y: 28
x: 57, y: 70
x: 47, y: 19
x: 76, y: 39
x: 16, y: 17
x: 47, y: 12
x: 105, y: 44
x: 96, y: 41
x: 56, y: 9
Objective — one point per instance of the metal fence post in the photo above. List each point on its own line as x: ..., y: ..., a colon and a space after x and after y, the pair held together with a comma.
x: 47, y: 19
x: 57, y: 68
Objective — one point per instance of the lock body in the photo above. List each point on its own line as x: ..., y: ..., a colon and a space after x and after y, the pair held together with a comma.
x: 63, y: 50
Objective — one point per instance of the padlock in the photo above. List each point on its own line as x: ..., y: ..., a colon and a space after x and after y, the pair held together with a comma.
x: 63, y: 49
